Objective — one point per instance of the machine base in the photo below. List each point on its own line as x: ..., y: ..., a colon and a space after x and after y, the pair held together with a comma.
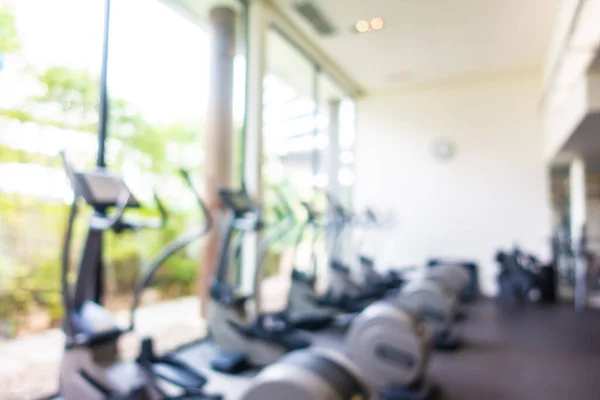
x: 446, y: 341
x: 460, y: 316
x: 230, y: 363
x: 422, y: 390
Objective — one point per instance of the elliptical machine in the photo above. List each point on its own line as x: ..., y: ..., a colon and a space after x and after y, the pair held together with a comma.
x: 393, y: 278
x: 384, y: 355
x: 432, y: 295
x: 343, y: 299
x: 302, y: 298
x: 263, y: 338
x: 230, y: 356
x: 523, y: 278
x: 436, y: 306
x: 90, y: 367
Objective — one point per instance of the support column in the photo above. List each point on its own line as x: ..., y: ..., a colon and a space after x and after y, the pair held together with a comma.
x: 253, y: 152
x: 333, y: 150
x: 219, y: 137
x: 578, y: 211
x: 333, y: 166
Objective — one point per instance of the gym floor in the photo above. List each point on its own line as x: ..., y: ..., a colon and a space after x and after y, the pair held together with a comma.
x: 549, y: 353
x: 539, y: 352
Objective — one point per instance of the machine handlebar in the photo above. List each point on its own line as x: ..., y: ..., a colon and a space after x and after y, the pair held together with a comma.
x: 148, y: 223
x: 208, y: 221
x: 114, y: 220
x: 286, y: 212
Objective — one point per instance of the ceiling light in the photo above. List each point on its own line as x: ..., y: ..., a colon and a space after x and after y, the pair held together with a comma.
x: 362, y: 26
x: 376, y: 23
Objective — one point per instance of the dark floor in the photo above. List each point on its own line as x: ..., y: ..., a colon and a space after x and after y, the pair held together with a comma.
x: 534, y: 353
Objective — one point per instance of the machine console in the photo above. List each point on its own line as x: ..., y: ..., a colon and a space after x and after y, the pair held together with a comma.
x: 101, y: 189
x: 238, y: 201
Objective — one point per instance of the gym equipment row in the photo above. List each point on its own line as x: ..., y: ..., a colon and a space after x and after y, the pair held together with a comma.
x: 368, y: 338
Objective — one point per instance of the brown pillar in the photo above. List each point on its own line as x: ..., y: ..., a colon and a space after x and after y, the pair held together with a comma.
x: 218, y: 142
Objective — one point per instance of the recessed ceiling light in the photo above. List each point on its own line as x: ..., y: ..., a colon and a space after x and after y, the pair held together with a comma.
x: 376, y: 23
x: 362, y: 26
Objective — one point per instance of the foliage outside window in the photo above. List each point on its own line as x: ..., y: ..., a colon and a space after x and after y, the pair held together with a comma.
x: 62, y: 113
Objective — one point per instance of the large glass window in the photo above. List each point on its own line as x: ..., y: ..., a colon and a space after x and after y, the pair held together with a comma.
x: 347, y: 162
x: 48, y: 97
x: 50, y: 58
x: 299, y: 156
x: 158, y: 80
x: 289, y: 115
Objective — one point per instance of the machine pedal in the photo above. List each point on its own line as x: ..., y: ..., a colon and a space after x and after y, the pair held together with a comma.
x: 230, y: 363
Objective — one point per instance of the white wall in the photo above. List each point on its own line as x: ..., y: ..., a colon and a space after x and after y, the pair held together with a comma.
x: 492, y: 194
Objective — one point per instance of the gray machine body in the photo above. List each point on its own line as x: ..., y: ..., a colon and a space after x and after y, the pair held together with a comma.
x: 428, y: 299
x: 86, y: 369
x: 454, y: 278
x: 258, y: 352
x: 314, y: 374
x: 385, y: 345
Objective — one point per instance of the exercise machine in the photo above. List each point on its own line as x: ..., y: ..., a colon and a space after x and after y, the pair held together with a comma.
x: 433, y: 294
x: 394, y: 278
x: 387, y: 346
x: 239, y: 345
x: 470, y: 291
x: 239, y: 342
x: 436, y: 306
x: 303, y: 298
x: 523, y: 278
x: 345, y: 286
x: 384, y: 354
x: 91, y: 367
x: 343, y: 298
x: 452, y: 277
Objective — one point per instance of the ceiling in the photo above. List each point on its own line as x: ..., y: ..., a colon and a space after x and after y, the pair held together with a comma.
x: 427, y: 41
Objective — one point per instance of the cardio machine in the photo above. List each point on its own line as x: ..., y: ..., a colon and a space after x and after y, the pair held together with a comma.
x: 385, y: 344
x: 384, y: 355
x: 391, y: 279
x: 238, y: 346
x: 304, y: 301
x: 267, y: 336
x: 369, y: 282
x: 239, y: 341
x: 91, y: 367
x: 432, y: 295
